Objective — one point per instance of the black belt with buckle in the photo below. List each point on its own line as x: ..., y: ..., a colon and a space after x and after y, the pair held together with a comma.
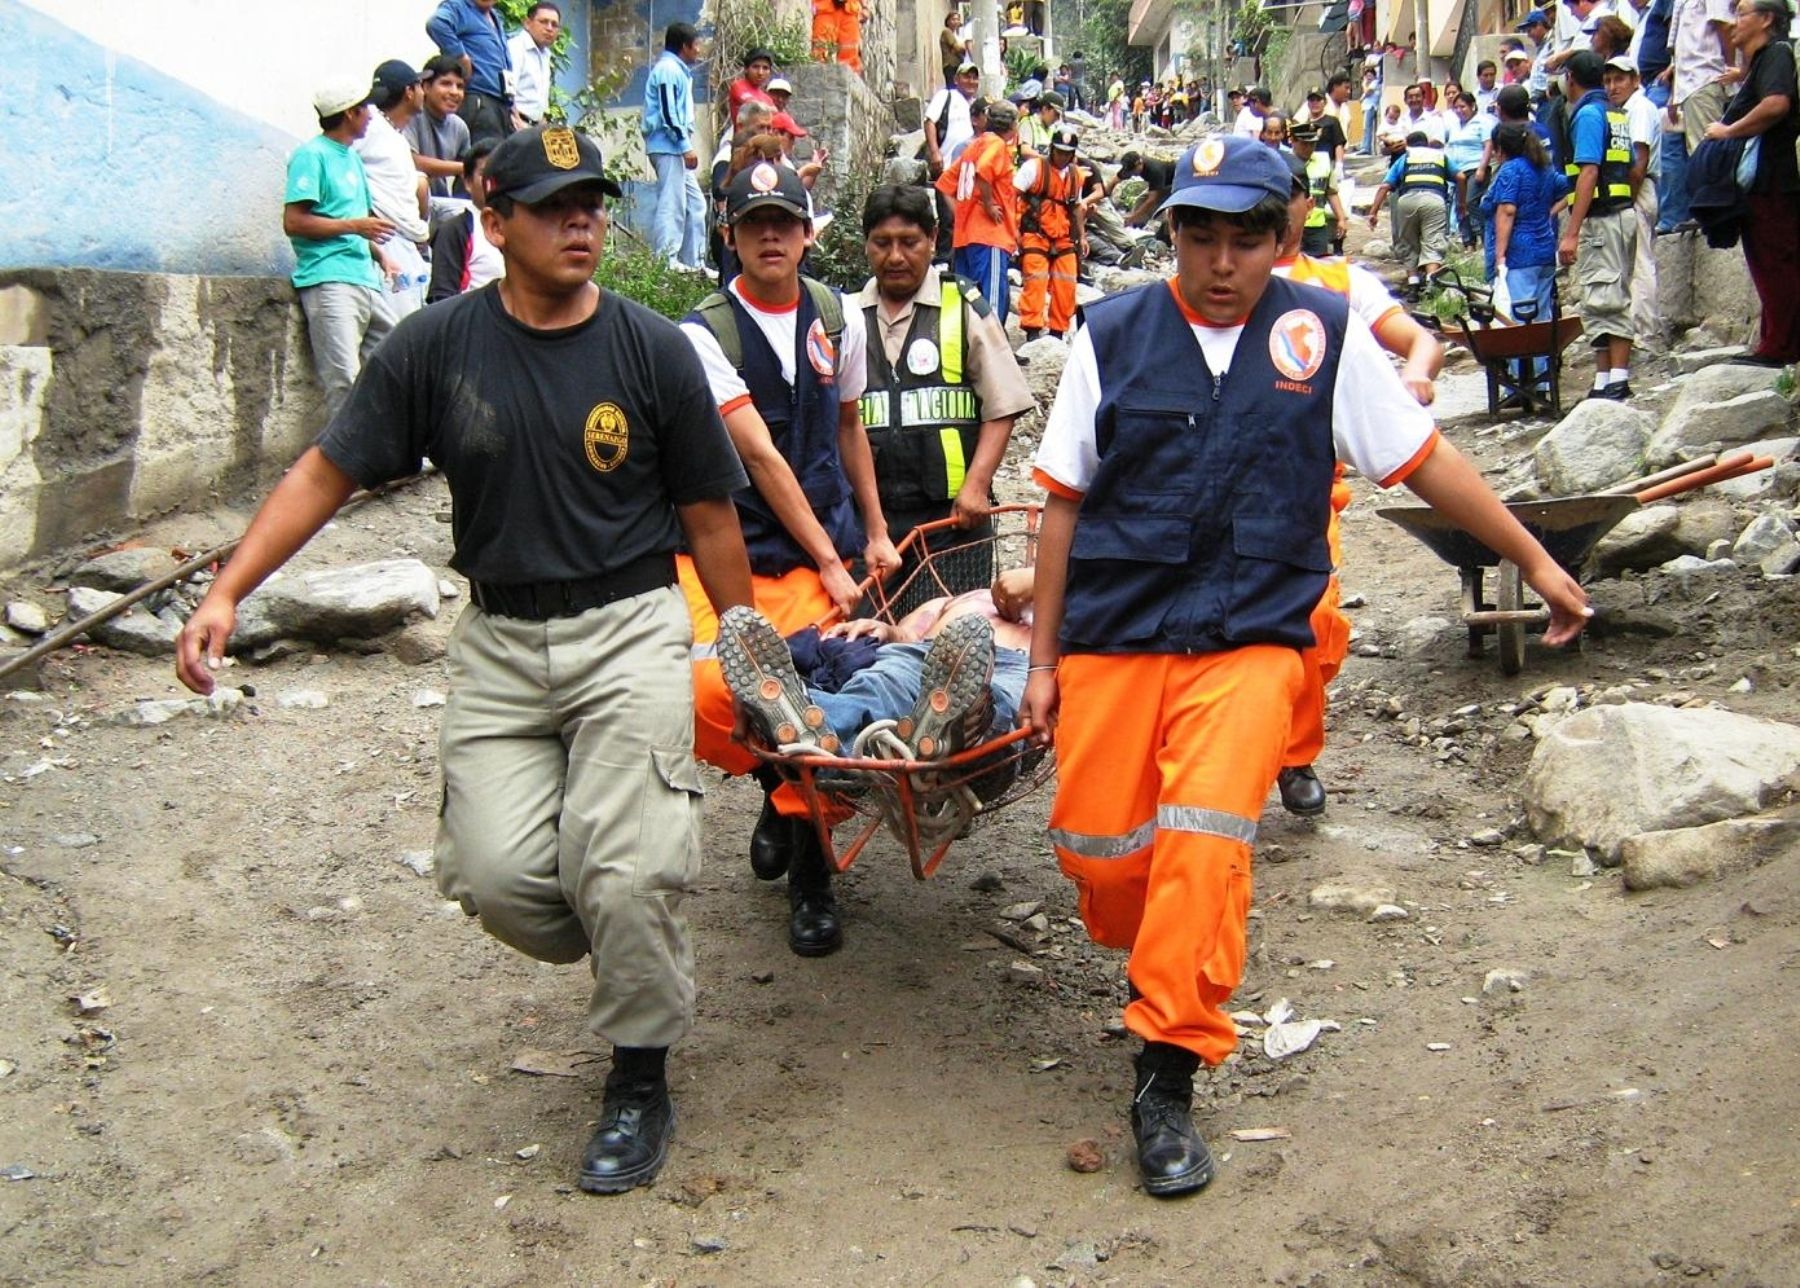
x: 539, y: 601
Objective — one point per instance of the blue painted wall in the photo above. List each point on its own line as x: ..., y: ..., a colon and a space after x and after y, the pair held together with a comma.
x: 111, y: 164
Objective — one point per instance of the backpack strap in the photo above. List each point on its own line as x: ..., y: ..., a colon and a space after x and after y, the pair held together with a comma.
x: 829, y: 305
x: 715, y: 312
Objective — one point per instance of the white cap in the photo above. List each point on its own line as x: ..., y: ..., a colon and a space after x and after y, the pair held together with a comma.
x: 1622, y: 63
x: 340, y: 94
x: 1517, y: 56
x: 779, y: 85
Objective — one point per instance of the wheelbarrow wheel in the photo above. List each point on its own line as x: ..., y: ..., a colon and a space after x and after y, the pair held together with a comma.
x: 1510, y: 594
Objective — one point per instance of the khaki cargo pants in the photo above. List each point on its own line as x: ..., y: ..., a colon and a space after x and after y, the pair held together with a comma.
x: 571, y: 810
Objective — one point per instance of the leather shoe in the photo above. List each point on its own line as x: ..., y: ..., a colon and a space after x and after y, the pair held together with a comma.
x: 772, y: 843
x: 813, y: 926
x: 1172, y: 1159
x: 1301, y: 791
x: 637, y: 1118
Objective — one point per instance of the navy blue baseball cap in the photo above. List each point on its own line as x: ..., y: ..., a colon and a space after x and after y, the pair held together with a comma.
x: 1537, y: 17
x: 1228, y: 173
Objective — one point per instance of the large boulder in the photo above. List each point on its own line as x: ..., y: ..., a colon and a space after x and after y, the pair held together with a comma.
x: 1611, y: 772
x: 1689, y: 855
x: 1766, y: 534
x: 1597, y: 444
x: 1722, y: 404
x: 358, y: 602
x: 1643, y: 539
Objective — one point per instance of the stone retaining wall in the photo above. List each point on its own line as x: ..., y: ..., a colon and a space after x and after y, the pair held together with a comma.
x: 126, y: 395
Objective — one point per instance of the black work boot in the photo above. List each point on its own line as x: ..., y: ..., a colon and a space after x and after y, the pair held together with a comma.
x: 637, y: 1118
x: 772, y: 842
x: 1301, y: 791
x: 813, y: 926
x: 1172, y: 1158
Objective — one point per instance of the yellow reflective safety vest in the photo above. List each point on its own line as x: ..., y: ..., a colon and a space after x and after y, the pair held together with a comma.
x: 922, y: 414
x: 1426, y: 170
x: 1613, y: 192
x: 1318, y: 174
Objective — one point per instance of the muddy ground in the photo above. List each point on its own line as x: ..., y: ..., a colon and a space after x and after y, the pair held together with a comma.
x: 305, y: 1067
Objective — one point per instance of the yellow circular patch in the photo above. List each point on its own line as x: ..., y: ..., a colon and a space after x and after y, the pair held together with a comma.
x: 606, y: 438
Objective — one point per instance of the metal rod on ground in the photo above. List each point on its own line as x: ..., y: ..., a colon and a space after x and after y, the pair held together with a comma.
x: 71, y: 631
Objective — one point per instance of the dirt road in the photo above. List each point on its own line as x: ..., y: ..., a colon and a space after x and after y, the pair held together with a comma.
x: 298, y: 1065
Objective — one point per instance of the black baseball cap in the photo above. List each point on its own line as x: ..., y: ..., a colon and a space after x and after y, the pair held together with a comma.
x: 394, y: 76
x: 767, y: 183
x: 535, y: 163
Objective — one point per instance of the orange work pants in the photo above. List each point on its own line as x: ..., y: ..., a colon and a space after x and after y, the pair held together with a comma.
x: 1048, y: 266
x: 791, y: 602
x: 1321, y: 662
x: 1163, y: 764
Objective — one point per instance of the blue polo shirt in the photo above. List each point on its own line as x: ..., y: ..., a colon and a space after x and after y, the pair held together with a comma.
x: 459, y: 29
x: 1587, y: 129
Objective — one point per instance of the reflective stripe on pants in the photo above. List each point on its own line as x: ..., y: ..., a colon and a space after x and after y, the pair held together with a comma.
x: 1163, y: 764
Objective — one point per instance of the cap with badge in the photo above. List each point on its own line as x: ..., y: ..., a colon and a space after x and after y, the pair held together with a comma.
x: 1315, y: 92
x: 1063, y: 139
x: 395, y: 76
x: 340, y: 95
x: 1303, y: 132
x: 535, y: 163
x: 1229, y: 174
x: 766, y: 183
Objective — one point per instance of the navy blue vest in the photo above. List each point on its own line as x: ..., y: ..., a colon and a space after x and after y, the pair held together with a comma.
x: 1204, y: 526
x: 803, y: 421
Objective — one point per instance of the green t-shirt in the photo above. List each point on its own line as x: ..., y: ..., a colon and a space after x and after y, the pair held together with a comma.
x: 328, y: 176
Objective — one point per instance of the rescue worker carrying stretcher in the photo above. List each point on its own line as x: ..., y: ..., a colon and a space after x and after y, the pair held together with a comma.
x: 1052, y: 236
x: 943, y: 392
x: 1189, y: 458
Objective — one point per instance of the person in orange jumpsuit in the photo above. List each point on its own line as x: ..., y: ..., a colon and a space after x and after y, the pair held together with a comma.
x: 1052, y: 236
x: 1423, y: 357
x: 838, y: 24
x: 1188, y: 460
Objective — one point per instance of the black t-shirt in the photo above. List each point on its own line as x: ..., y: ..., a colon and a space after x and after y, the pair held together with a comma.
x: 1159, y: 175
x: 1772, y: 73
x: 566, y: 451
x: 1331, y: 135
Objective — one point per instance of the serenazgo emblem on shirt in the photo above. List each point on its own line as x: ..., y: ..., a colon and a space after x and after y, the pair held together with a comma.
x: 606, y: 438
x: 1297, y: 344
x: 1208, y: 153
x: 819, y: 350
x: 560, y: 148
x: 764, y: 179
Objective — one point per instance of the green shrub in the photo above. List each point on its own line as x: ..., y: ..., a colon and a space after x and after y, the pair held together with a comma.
x: 632, y: 270
x: 838, y: 257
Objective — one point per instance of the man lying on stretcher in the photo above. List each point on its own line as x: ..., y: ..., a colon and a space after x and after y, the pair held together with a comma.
x: 950, y: 673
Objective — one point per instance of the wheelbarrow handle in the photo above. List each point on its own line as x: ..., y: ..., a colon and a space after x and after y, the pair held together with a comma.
x: 1507, y: 617
x: 1634, y: 486
x: 1717, y: 474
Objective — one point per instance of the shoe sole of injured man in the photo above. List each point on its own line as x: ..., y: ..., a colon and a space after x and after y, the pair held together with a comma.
x: 953, y: 705
x: 760, y: 673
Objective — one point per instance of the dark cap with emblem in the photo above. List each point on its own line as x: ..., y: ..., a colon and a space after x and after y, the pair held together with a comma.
x: 536, y: 163
x: 767, y: 183
x: 1303, y: 132
x: 1229, y: 174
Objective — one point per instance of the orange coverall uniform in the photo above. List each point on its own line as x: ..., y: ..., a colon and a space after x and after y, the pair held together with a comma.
x: 839, y: 23
x: 1321, y: 663
x: 1048, y: 256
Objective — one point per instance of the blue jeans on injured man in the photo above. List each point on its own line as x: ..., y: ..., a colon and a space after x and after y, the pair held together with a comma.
x: 889, y: 688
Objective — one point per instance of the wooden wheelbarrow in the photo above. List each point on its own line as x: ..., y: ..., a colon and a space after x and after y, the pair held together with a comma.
x: 1568, y: 529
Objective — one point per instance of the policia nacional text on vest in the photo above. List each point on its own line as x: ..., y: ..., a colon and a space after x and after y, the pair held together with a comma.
x: 1613, y: 193
x: 922, y: 416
